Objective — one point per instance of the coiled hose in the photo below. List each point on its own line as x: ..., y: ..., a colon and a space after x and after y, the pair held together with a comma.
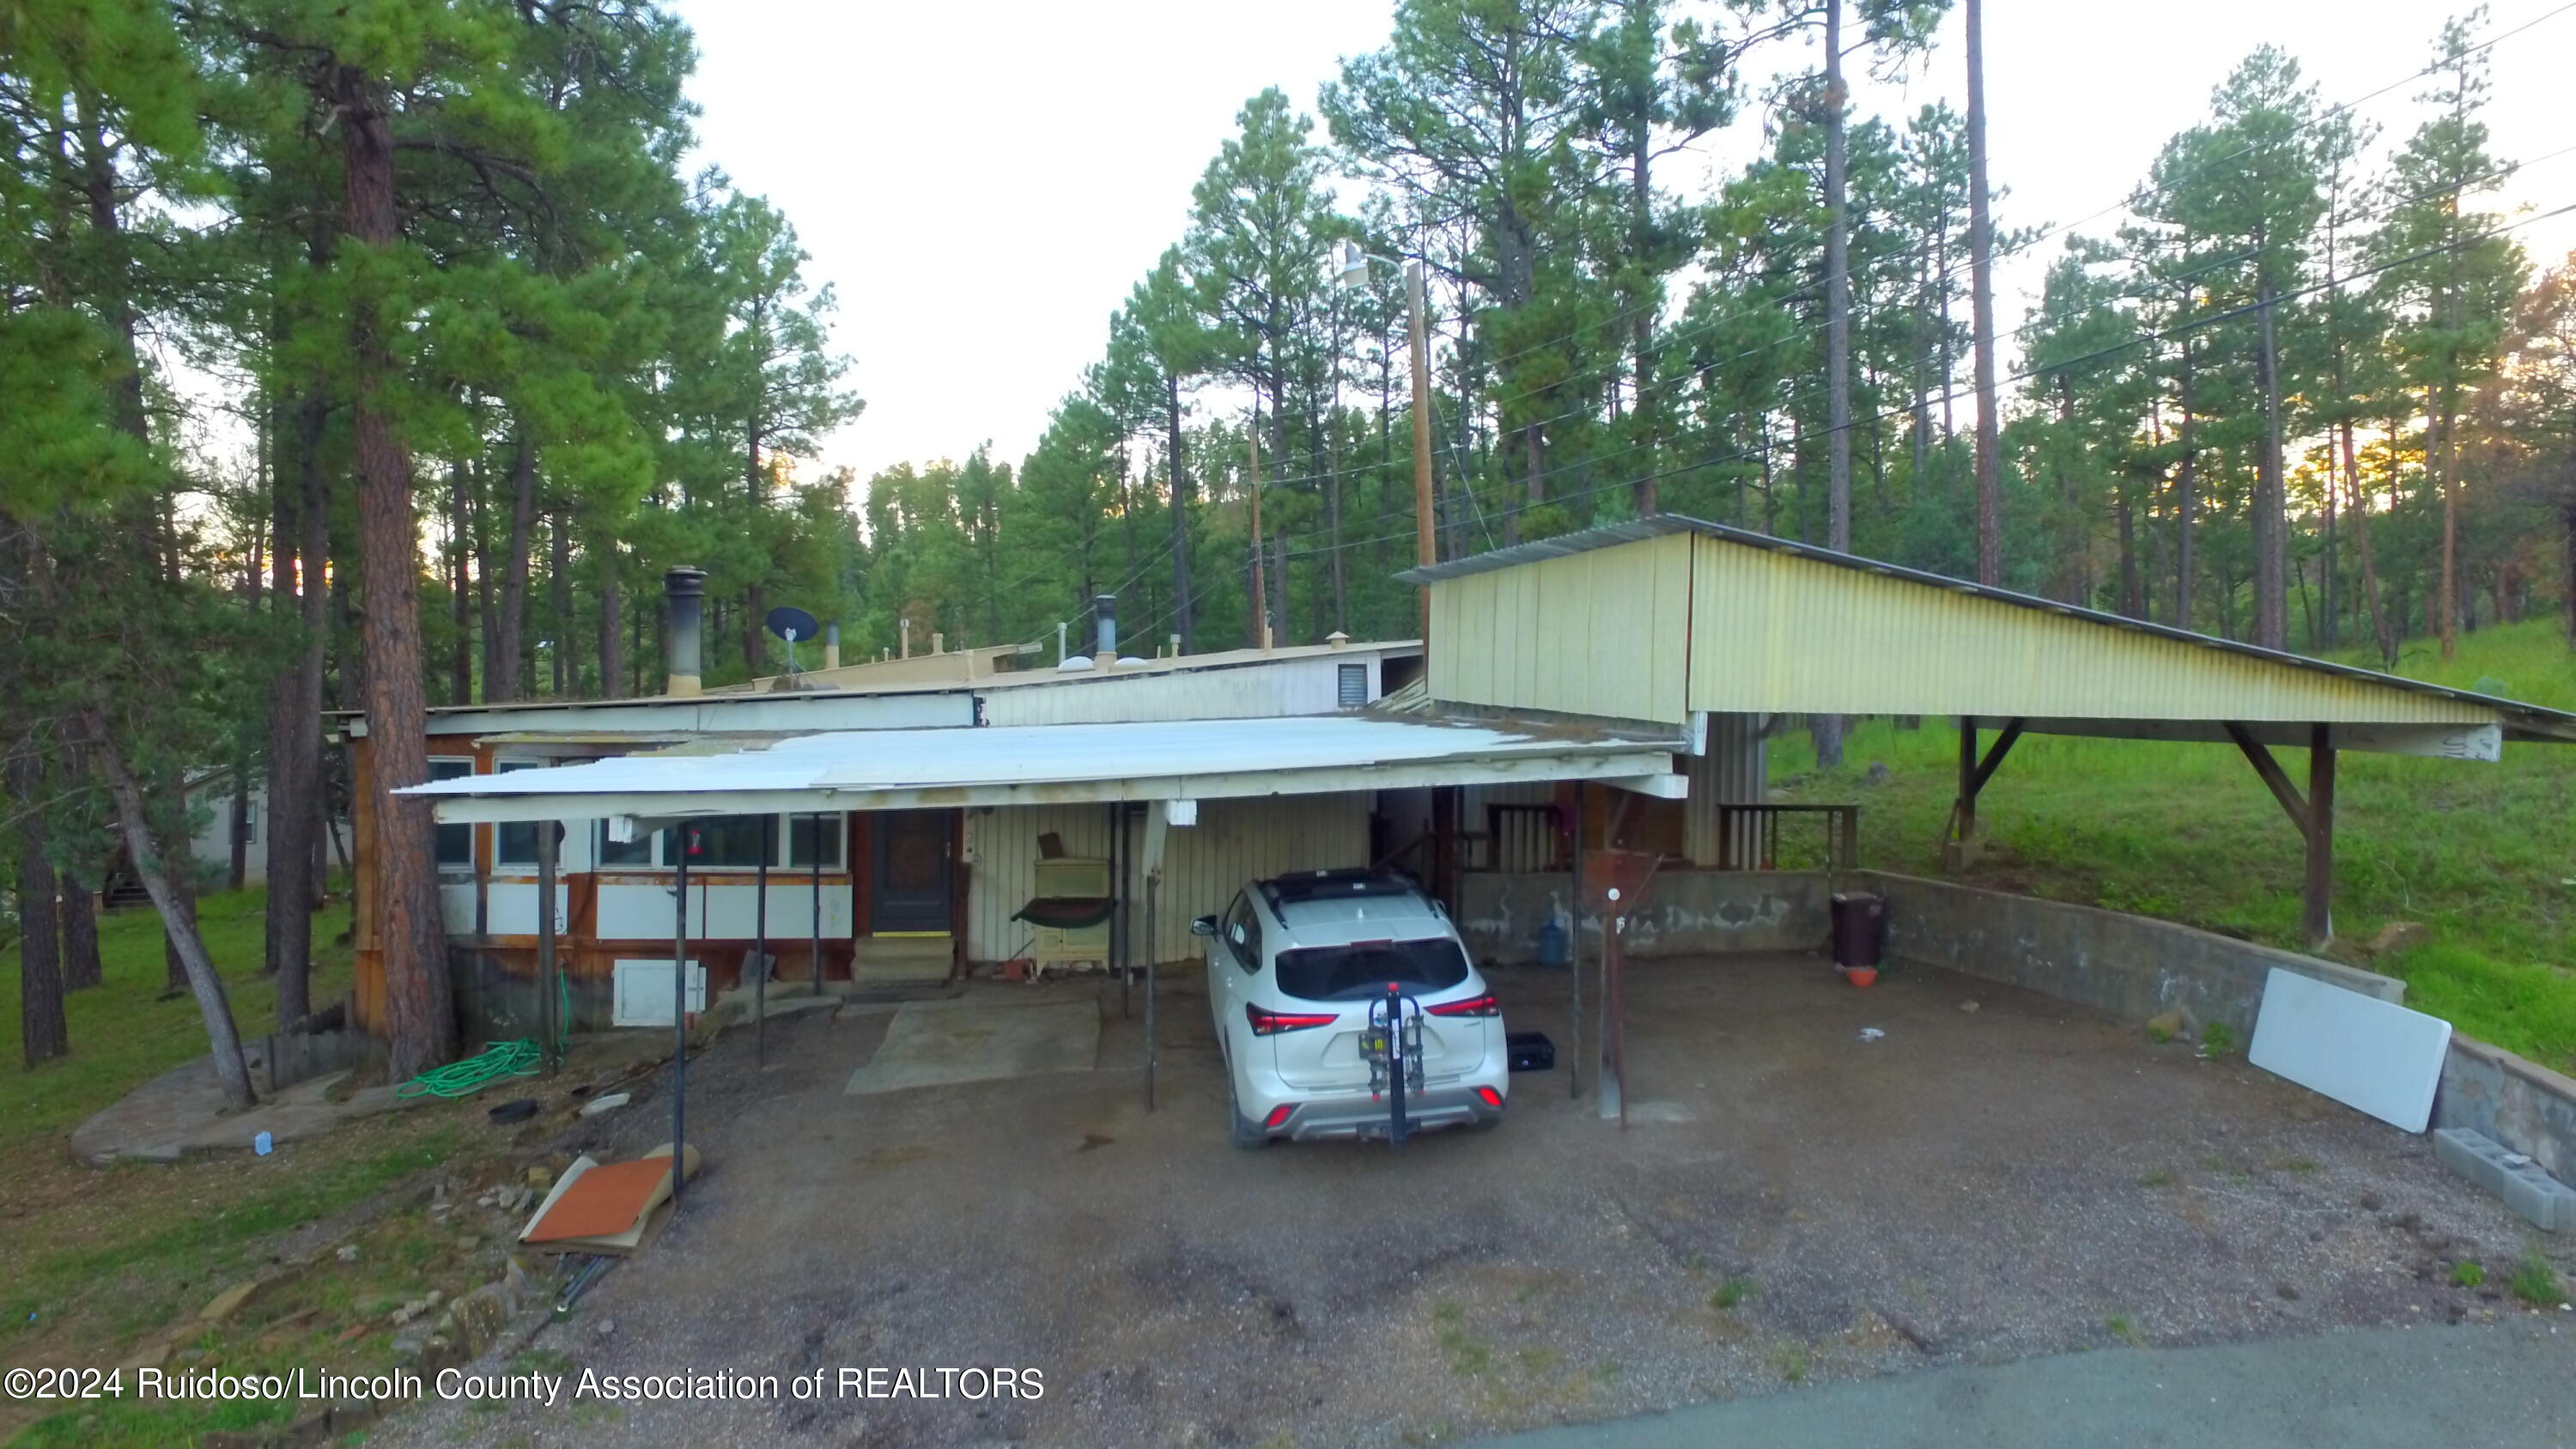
x: 501, y: 1059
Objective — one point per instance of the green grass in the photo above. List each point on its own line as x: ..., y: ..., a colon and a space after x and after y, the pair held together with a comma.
x: 1730, y: 1293
x: 2482, y: 855
x: 123, y: 1034
x: 2535, y: 1282
x: 2468, y: 1273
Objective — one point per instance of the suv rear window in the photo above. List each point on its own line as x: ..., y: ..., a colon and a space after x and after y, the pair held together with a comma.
x: 1357, y: 972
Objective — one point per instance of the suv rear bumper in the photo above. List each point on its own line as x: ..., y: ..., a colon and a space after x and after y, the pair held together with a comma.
x: 1358, y: 1117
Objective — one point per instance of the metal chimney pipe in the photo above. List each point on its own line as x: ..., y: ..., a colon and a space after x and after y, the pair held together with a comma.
x: 831, y: 646
x: 684, y: 592
x: 1104, y: 611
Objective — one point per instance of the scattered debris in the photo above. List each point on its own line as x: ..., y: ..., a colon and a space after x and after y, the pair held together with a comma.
x: 1871, y: 1033
x: 609, y: 1103
x: 228, y: 1302
x: 263, y: 1144
x: 347, y: 1253
x: 2399, y: 936
x: 1968, y: 1006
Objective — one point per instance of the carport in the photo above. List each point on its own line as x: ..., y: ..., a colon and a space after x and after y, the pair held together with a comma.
x: 1674, y: 621
x: 1171, y: 768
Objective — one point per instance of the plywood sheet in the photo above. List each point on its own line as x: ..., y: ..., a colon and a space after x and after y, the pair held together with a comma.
x: 2373, y: 1056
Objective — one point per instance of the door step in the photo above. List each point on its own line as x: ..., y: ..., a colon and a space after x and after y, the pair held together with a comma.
x: 901, y: 960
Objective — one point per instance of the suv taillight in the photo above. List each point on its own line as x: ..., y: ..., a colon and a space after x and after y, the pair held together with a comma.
x: 1266, y: 1022
x: 1484, y: 1005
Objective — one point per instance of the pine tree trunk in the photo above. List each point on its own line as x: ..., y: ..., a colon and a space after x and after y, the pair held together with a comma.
x: 612, y: 628
x: 1837, y: 297
x: 2271, y: 503
x: 1981, y: 285
x: 2379, y: 624
x: 1641, y: 327
x: 504, y: 683
x: 2186, y: 483
x: 43, y: 1031
x: 460, y: 532
x: 295, y: 803
x: 410, y: 934
x: 82, y: 968
x: 178, y: 918
x: 564, y: 660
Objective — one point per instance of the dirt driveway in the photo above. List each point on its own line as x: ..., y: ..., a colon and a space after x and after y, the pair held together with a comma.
x: 1790, y: 1204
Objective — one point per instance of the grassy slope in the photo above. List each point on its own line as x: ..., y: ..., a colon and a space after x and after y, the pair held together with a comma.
x: 2485, y: 855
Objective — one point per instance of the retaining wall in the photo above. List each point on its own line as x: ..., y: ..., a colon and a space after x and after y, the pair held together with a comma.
x: 1695, y: 912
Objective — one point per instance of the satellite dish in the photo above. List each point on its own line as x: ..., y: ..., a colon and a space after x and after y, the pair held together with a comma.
x: 793, y: 624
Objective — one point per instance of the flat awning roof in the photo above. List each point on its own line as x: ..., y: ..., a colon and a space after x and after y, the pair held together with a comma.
x: 904, y: 769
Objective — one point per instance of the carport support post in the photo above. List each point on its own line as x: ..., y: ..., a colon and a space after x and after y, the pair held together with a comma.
x: 2319, y: 895
x: 679, y: 1007
x: 1574, y: 955
x: 550, y: 1028
x: 1158, y: 825
x: 814, y: 957
x: 760, y: 940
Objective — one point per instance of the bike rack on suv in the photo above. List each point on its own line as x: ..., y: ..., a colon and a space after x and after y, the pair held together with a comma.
x: 1393, y: 1046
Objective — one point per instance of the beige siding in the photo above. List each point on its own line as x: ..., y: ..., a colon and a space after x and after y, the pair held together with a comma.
x: 1773, y: 632
x: 1205, y: 864
x: 1598, y: 633
x: 1733, y: 772
x: 1307, y: 685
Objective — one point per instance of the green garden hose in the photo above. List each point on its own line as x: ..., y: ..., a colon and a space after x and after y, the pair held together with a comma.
x: 501, y: 1059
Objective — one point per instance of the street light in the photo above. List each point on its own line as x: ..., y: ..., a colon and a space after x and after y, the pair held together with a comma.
x: 1351, y: 269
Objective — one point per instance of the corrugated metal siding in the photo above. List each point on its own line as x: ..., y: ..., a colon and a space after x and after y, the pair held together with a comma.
x: 1733, y: 772
x: 1251, y: 691
x: 1599, y: 633
x: 1205, y: 864
x: 1773, y: 632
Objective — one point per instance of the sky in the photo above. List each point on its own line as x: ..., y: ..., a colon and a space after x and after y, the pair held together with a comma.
x: 982, y: 184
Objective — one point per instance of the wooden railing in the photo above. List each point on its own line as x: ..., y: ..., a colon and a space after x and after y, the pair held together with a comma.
x: 1748, y: 836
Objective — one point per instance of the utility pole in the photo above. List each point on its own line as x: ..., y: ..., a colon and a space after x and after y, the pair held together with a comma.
x: 1260, y: 598
x: 1981, y: 291
x: 1425, y: 550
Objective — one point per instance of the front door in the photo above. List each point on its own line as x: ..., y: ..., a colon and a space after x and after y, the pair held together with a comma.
x: 909, y: 874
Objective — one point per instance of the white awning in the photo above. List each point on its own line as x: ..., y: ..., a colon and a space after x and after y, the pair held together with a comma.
x: 905, y: 769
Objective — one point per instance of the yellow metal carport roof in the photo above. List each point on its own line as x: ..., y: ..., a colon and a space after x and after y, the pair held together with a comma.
x: 1659, y: 618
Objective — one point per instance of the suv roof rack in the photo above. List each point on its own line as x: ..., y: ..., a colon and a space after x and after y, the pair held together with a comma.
x: 1340, y: 884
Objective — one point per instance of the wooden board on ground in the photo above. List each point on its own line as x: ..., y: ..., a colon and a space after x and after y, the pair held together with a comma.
x: 606, y: 1209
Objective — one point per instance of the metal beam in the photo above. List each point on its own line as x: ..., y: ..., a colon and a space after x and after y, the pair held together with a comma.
x: 2318, y: 896
x: 1995, y: 756
x: 1648, y: 772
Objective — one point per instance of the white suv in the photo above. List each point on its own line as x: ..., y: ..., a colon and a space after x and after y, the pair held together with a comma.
x: 1294, y: 966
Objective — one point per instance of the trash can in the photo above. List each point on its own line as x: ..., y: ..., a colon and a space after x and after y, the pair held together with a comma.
x: 1860, y: 930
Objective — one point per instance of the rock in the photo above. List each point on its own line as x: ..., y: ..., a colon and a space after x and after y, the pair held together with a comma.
x: 348, y: 1253
x: 2399, y: 936
x: 1877, y: 773
x: 436, y: 1297
x: 540, y: 1179
x: 408, y: 1312
x: 1968, y: 1006
x: 610, y: 1103
x: 480, y: 1317
x: 228, y: 1302
x: 606, y: 1327
x: 2166, y: 1026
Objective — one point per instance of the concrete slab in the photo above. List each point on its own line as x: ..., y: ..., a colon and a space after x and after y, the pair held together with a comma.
x: 939, y: 1043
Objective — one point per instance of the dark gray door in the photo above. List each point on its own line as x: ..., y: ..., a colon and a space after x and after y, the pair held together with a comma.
x: 910, y: 875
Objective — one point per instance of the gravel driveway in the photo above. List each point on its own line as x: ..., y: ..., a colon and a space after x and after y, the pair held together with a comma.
x: 1790, y: 1204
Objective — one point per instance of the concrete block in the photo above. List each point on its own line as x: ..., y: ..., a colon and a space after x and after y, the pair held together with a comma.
x: 2538, y: 1198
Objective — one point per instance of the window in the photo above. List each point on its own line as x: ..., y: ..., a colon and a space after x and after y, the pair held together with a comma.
x: 516, y: 843
x: 455, y: 842
x: 1354, y: 685
x: 804, y: 832
x: 1243, y: 933
x: 1355, y: 972
x: 726, y: 842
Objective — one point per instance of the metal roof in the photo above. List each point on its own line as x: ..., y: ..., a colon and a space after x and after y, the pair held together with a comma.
x: 2552, y: 723
x: 1058, y: 764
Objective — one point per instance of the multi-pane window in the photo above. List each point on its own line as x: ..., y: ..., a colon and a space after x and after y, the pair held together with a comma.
x: 1353, y: 682
x: 516, y: 843
x: 455, y: 842
x: 730, y: 842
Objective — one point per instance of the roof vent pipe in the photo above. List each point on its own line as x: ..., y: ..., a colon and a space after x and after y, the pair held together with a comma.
x: 831, y: 646
x: 1104, y: 609
x: 684, y: 592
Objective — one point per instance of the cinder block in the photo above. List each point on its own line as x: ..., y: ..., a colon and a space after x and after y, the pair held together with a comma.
x: 2542, y: 1200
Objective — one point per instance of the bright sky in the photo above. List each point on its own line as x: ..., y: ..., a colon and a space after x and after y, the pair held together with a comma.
x: 982, y: 184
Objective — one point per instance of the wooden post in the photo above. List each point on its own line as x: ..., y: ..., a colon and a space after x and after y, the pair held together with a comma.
x: 1574, y: 955
x: 550, y: 1028
x: 2319, y: 895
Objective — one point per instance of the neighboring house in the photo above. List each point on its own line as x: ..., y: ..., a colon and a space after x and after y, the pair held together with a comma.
x: 219, y: 818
